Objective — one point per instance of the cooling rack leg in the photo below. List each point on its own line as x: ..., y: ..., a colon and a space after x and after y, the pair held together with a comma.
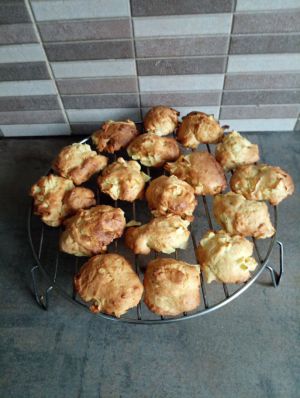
x: 276, y: 276
x: 41, y: 299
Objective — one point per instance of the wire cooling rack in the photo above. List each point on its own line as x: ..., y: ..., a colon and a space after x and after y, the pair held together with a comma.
x: 56, y: 270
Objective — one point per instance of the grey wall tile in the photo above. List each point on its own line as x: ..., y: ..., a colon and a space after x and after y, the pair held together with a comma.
x: 210, y: 110
x: 31, y: 117
x: 88, y: 128
x: 24, y: 71
x: 175, y: 7
x: 251, y: 125
x: 179, y: 66
x: 185, y: 46
x: 84, y: 128
x: 260, y: 112
x: 89, y: 50
x: 263, y: 62
x: 179, y: 46
x: 13, y: 12
x: 98, y: 86
x: 256, y: 5
x: 26, y: 103
x: 100, y: 101
x: 78, y: 9
x: 261, y: 97
x: 28, y: 130
x: 117, y: 67
x: 181, y: 99
x: 85, y: 30
x: 183, y: 25
x: 21, y: 53
x: 297, y: 126
x: 267, y: 22
x: 181, y: 83
x: 261, y: 81
x: 184, y: 110
x: 96, y: 115
x: 17, y: 33
x: 257, y: 44
x: 30, y: 87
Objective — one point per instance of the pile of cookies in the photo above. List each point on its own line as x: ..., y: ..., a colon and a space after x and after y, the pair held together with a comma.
x: 170, y: 286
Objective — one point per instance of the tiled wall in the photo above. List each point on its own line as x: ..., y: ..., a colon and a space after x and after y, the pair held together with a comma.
x: 66, y: 66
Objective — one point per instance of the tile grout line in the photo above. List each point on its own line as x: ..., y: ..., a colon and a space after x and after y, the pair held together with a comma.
x: 266, y: 11
x: 228, y: 51
x: 297, y: 120
x: 261, y: 105
x: 51, y: 73
x: 135, y: 60
x: 210, y: 56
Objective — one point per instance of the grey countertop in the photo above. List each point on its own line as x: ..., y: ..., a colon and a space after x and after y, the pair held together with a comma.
x: 249, y: 348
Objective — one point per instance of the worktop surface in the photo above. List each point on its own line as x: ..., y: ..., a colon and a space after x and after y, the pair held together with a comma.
x: 249, y: 348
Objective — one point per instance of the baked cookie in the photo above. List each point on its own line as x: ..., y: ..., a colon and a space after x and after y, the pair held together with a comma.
x: 152, y: 150
x: 170, y: 195
x: 235, y: 150
x: 161, y: 120
x: 123, y: 180
x: 262, y: 182
x: 199, y: 128
x: 78, y: 198
x: 201, y: 171
x: 162, y: 234
x: 225, y: 258
x: 78, y: 162
x: 90, y: 231
x: 239, y: 216
x: 171, y: 286
x: 114, y: 136
x: 109, y: 282
x: 55, y: 198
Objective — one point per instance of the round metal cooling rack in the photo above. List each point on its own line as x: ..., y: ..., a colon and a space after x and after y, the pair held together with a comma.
x: 55, y: 270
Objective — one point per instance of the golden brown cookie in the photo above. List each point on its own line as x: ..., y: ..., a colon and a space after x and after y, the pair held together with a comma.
x: 161, y: 120
x: 171, y: 286
x: 109, y: 282
x: 55, y: 198
x: 90, y: 231
x: 162, y: 234
x: 152, y: 150
x: 114, y: 136
x: 239, y: 216
x: 199, y: 128
x: 170, y: 195
x: 78, y: 198
x: 201, y: 171
x: 78, y: 162
x: 262, y: 182
x: 235, y: 150
x: 123, y: 180
x: 225, y: 258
